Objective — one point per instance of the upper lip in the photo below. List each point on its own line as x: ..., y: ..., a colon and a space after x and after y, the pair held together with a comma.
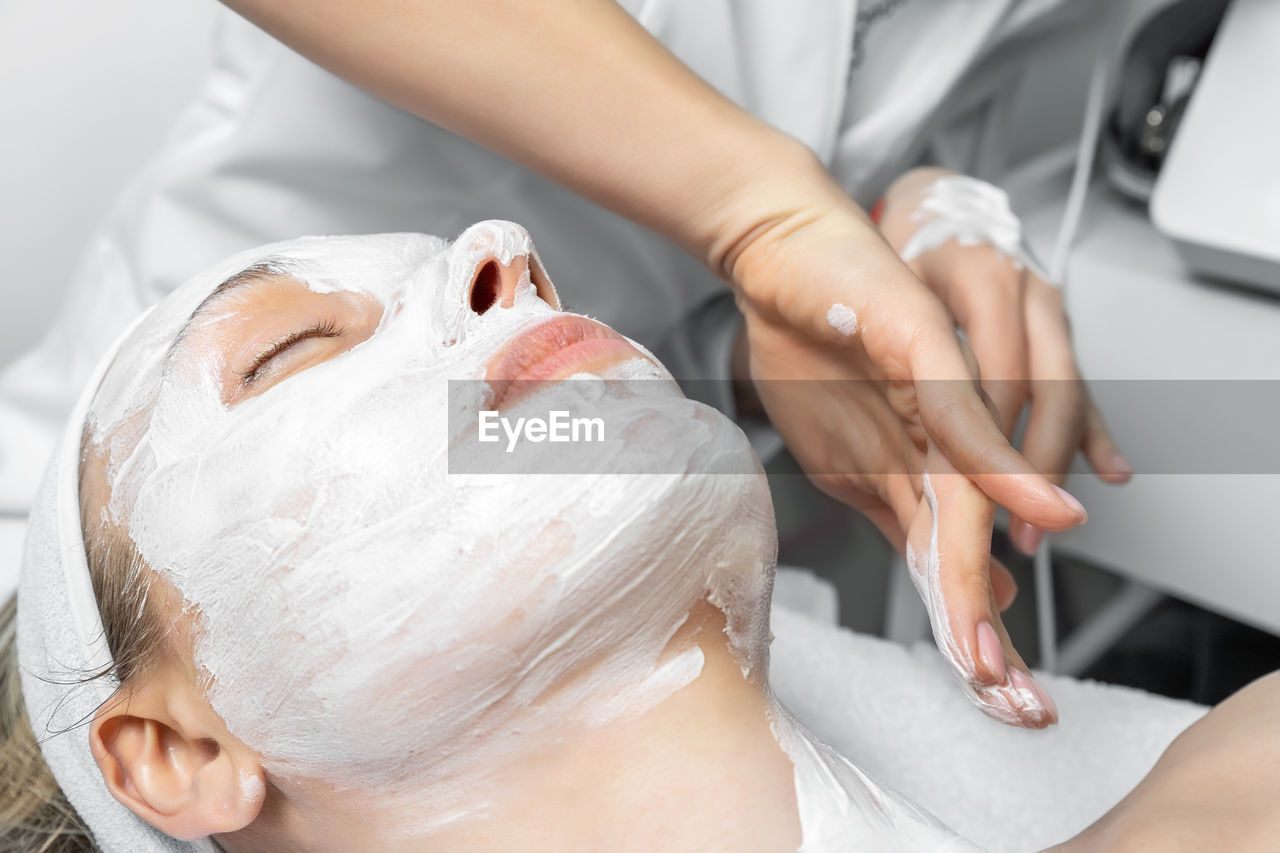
x: 519, y: 357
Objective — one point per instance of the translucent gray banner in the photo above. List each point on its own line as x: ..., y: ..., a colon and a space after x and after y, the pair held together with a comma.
x: 588, y: 425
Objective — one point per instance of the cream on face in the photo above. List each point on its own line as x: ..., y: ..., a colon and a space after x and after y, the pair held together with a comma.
x: 366, y: 618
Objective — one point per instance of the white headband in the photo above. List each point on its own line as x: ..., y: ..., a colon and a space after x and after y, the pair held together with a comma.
x: 61, y: 642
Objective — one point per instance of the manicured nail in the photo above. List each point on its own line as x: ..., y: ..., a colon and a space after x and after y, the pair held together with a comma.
x: 1073, y: 504
x: 1026, y: 538
x: 1022, y: 682
x: 1040, y: 711
x: 990, y: 653
x: 1120, y: 465
x: 1050, y: 706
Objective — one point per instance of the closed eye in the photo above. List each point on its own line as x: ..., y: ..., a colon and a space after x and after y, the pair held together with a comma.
x: 256, y: 369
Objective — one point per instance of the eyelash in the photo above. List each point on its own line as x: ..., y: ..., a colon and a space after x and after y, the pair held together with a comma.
x: 325, y: 329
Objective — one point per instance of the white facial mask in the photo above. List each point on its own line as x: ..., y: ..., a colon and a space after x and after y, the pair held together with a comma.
x: 366, y: 618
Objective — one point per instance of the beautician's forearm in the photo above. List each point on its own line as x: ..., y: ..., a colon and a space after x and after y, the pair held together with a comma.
x: 574, y: 89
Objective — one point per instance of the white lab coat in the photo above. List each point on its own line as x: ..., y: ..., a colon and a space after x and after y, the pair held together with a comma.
x: 274, y: 147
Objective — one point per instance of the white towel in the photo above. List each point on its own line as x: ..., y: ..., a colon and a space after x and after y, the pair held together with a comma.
x: 897, y: 714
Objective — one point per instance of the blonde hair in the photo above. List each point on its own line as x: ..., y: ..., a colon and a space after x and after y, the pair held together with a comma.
x: 35, y: 816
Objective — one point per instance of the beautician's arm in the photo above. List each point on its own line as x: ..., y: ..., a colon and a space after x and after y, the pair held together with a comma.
x: 580, y: 92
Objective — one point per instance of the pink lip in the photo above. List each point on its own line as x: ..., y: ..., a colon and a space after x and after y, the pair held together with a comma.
x: 554, y: 349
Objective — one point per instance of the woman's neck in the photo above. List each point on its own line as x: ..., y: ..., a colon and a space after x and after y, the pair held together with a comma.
x: 700, y: 770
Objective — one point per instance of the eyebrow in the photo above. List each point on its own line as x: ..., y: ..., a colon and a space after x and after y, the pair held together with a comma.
x: 260, y: 271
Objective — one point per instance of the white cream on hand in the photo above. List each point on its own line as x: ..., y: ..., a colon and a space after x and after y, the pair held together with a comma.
x: 969, y: 211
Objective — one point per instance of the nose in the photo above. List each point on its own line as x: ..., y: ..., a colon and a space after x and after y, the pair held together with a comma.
x: 494, y: 282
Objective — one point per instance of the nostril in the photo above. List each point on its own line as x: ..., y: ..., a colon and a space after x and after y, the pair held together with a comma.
x: 546, y: 292
x: 486, y: 288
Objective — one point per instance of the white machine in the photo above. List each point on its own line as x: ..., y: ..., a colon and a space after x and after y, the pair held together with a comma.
x: 1218, y: 194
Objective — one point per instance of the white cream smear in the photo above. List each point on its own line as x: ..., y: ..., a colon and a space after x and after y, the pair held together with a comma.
x: 843, y: 319
x: 1009, y: 701
x: 971, y: 212
x: 366, y: 619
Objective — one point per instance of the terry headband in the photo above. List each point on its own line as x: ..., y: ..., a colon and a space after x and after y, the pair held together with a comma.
x: 61, y: 645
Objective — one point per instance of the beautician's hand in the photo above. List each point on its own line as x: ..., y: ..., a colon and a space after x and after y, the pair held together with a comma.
x: 1018, y: 329
x: 866, y: 410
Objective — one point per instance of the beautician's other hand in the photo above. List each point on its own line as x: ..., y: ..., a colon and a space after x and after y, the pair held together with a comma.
x: 1018, y: 329
x: 868, y: 409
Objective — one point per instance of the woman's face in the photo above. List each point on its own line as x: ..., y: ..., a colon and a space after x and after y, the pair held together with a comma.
x: 279, y: 436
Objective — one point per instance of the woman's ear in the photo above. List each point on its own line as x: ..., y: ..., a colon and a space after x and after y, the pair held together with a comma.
x: 169, y: 758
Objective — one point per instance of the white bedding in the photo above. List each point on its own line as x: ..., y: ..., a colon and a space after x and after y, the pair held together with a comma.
x: 897, y: 713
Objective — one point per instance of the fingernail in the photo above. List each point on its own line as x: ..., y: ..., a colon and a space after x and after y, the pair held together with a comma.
x: 990, y: 653
x: 1050, y: 706
x: 1120, y: 465
x: 1026, y: 538
x: 1041, y: 710
x: 1023, y: 683
x: 1072, y: 504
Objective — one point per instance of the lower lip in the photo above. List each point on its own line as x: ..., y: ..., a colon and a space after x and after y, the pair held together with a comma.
x: 597, y: 348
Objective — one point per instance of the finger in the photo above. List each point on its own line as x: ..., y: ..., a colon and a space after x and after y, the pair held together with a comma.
x: 1100, y: 449
x: 1054, y: 427
x: 1004, y: 589
x: 1025, y: 537
x: 893, y: 524
x: 892, y: 520
x: 958, y: 422
x: 1052, y: 436
x: 991, y: 313
x: 1025, y: 690
x: 1056, y: 424
x: 955, y: 519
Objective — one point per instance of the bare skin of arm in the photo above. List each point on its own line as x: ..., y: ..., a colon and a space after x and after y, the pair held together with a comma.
x: 578, y: 91
x: 1215, y: 787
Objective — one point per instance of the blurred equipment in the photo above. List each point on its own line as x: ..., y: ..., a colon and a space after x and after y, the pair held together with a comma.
x: 1217, y: 195
x: 1160, y: 67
